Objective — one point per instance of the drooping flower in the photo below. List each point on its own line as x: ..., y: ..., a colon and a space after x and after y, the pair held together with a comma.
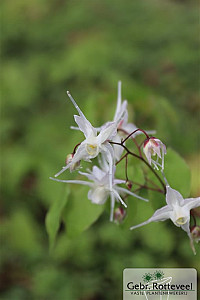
x: 100, y: 188
x: 153, y: 147
x: 94, y: 143
x: 177, y: 209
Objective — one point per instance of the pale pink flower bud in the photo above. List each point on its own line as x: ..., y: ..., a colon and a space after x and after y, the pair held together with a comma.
x: 195, y: 233
x: 154, y: 147
x: 119, y: 215
x: 129, y: 184
x: 74, y: 166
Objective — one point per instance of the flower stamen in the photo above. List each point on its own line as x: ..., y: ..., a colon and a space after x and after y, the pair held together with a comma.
x: 91, y: 149
x: 181, y: 221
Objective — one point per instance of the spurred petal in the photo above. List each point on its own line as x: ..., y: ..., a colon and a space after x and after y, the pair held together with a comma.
x: 112, y: 206
x: 119, y: 100
x: 161, y: 214
x: 122, y: 113
x: 130, y: 193
x: 76, y: 106
x: 119, y: 181
x: 173, y: 197
x: 80, y: 154
x: 107, y: 150
x: 62, y: 170
x: 118, y: 197
x: 82, y: 182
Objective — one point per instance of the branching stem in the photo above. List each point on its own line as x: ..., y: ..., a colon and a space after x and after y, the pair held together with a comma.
x: 141, y: 158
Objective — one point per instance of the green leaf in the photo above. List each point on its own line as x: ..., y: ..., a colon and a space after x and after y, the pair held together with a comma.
x: 53, y: 217
x: 177, y: 172
x: 80, y: 213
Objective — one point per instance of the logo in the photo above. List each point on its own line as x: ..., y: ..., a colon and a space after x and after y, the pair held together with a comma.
x: 160, y: 284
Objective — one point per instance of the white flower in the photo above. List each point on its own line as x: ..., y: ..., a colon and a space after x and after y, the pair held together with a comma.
x: 93, y: 143
x: 100, y: 188
x: 152, y: 147
x: 177, y: 209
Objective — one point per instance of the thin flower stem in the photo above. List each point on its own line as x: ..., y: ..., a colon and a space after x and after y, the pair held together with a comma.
x: 133, y: 133
x: 121, y: 159
x: 141, y: 158
x: 148, y: 187
x: 153, y: 183
x: 74, y: 151
x: 133, y: 139
x: 194, y: 219
x: 126, y: 168
x: 142, y: 143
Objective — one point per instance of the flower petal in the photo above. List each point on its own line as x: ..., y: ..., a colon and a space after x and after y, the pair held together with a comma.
x: 82, y: 182
x: 80, y: 154
x: 85, y: 126
x: 108, y: 132
x: 161, y: 214
x: 173, y: 197
x: 118, y: 150
x: 112, y: 206
x: 98, y: 195
x: 119, y: 100
x: 191, y: 203
x: 119, y: 198
x: 186, y: 227
x: 130, y: 193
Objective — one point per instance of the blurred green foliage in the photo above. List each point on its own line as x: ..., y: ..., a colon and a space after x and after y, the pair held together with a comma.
x: 49, y: 47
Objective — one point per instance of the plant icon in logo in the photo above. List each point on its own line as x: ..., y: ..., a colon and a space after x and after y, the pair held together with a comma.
x: 147, y: 277
x: 158, y: 275
x: 156, y: 278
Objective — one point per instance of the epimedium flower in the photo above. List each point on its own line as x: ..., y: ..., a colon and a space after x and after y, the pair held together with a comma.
x: 124, y: 128
x: 177, y: 209
x: 153, y: 147
x: 94, y: 143
x: 100, y: 189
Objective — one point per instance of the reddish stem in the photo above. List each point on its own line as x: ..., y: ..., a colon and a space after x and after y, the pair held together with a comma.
x: 126, y: 168
x: 135, y: 132
x: 141, y: 158
x: 134, y: 140
x: 74, y: 151
x: 148, y: 187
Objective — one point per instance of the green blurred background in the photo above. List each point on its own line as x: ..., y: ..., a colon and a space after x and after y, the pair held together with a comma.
x: 49, y: 47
